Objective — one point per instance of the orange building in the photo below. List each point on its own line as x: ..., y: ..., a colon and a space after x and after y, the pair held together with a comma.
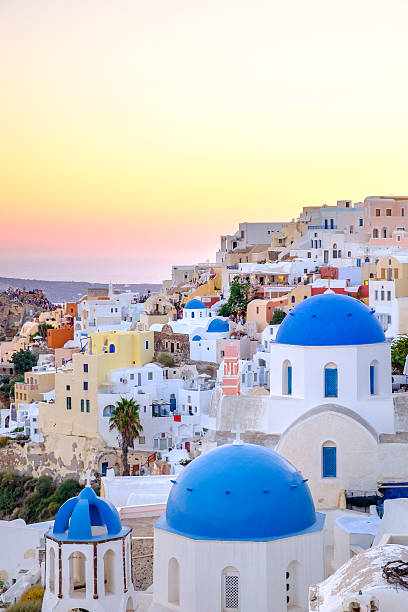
x: 56, y: 338
x: 71, y: 309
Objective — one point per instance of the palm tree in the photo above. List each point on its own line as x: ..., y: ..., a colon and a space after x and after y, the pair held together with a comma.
x: 125, y: 418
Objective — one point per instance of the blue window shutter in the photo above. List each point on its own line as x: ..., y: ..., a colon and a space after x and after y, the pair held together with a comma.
x: 372, y: 379
x: 289, y: 380
x: 330, y: 382
x: 329, y: 462
x: 82, y: 405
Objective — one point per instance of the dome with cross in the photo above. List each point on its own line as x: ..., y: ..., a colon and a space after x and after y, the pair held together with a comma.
x: 87, y: 518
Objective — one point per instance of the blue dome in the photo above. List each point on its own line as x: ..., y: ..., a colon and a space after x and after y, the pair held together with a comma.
x: 330, y: 319
x: 88, y: 518
x: 194, y: 305
x: 196, y: 338
x: 218, y: 326
x: 239, y: 492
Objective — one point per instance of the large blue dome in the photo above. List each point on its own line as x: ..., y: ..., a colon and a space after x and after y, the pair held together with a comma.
x: 330, y: 319
x: 87, y: 518
x: 239, y: 492
x: 218, y: 326
x: 194, y: 305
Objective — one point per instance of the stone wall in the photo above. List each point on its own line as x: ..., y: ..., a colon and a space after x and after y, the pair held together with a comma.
x: 166, y: 340
x: 142, y: 555
x: 59, y: 456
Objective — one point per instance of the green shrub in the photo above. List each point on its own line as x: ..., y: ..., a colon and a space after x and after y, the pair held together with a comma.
x: 278, y: 316
x: 3, y: 441
x: 34, y: 605
x: 166, y: 359
x: 34, y: 592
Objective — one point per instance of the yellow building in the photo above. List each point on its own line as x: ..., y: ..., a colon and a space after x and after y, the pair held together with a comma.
x: 75, y: 411
x: 35, y: 386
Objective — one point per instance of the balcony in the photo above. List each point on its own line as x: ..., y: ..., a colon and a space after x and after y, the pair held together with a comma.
x: 321, y: 227
x: 25, y: 387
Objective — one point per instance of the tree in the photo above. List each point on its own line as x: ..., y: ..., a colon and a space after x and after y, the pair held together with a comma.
x: 125, y: 418
x: 399, y: 352
x: 278, y: 316
x: 23, y: 361
x: 42, y: 330
x: 238, y: 299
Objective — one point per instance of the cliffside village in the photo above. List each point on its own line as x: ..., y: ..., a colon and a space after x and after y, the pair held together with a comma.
x: 276, y: 354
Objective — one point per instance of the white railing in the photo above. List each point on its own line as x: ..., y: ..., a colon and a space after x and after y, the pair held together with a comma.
x: 24, y: 582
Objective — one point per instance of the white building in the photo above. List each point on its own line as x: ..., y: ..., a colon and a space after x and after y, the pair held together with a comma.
x: 240, y: 533
x: 88, y: 558
x: 171, y: 411
x: 248, y: 234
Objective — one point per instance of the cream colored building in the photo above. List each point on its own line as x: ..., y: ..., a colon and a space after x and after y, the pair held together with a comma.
x: 35, y: 388
x: 388, y: 294
x: 75, y: 411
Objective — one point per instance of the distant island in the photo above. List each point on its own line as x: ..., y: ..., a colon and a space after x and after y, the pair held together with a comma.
x: 70, y: 291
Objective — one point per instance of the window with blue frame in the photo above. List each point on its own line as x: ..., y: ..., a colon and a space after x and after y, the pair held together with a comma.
x: 287, y: 378
x: 373, y: 378
x: 147, y: 345
x: 330, y: 381
x: 87, y: 405
x: 289, y: 389
x: 358, y: 263
x: 82, y: 405
x: 329, y: 460
x: 85, y: 386
x: 112, y: 348
x: 85, y: 367
x: 361, y: 222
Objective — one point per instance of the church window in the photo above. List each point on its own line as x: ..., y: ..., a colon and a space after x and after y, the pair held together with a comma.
x: 373, y: 378
x: 292, y: 587
x: 109, y: 572
x: 174, y: 581
x: 329, y: 460
x: 330, y: 380
x: 230, y: 589
x: 287, y: 378
x: 51, y: 571
x: 77, y: 574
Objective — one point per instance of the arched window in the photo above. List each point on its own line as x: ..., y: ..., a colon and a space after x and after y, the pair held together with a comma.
x: 375, y: 233
x: 329, y: 460
x: 173, y: 581
x: 230, y: 589
x: 287, y: 378
x: 374, y: 378
x: 51, y: 571
x: 77, y: 574
x: 112, y: 348
x: 384, y: 232
x: 292, y: 586
x: 109, y: 572
x: 108, y: 410
x: 192, y: 315
x: 330, y: 380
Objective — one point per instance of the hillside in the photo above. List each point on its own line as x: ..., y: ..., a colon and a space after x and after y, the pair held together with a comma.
x: 69, y: 291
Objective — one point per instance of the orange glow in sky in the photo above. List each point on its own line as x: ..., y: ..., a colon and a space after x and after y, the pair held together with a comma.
x: 133, y: 133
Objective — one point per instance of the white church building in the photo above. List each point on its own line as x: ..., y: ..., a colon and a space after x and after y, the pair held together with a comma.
x: 330, y: 410
x: 88, y: 558
x: 240, y: 534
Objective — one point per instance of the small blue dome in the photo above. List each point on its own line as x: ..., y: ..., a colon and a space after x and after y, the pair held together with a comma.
x: 218, y: 326
x: 239, y: 492
x: 330, y: 319
x: 88, y: 518
x: 194, y: 305
x: 196, y: 338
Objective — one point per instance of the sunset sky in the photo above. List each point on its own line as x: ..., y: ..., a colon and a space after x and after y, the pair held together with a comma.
x: 133, y: 133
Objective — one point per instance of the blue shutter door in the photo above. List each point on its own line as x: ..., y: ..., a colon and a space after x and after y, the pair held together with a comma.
x: 330, y: 382
x: 289, y: 380
x: 372, y: 379
x: 329, y: 462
